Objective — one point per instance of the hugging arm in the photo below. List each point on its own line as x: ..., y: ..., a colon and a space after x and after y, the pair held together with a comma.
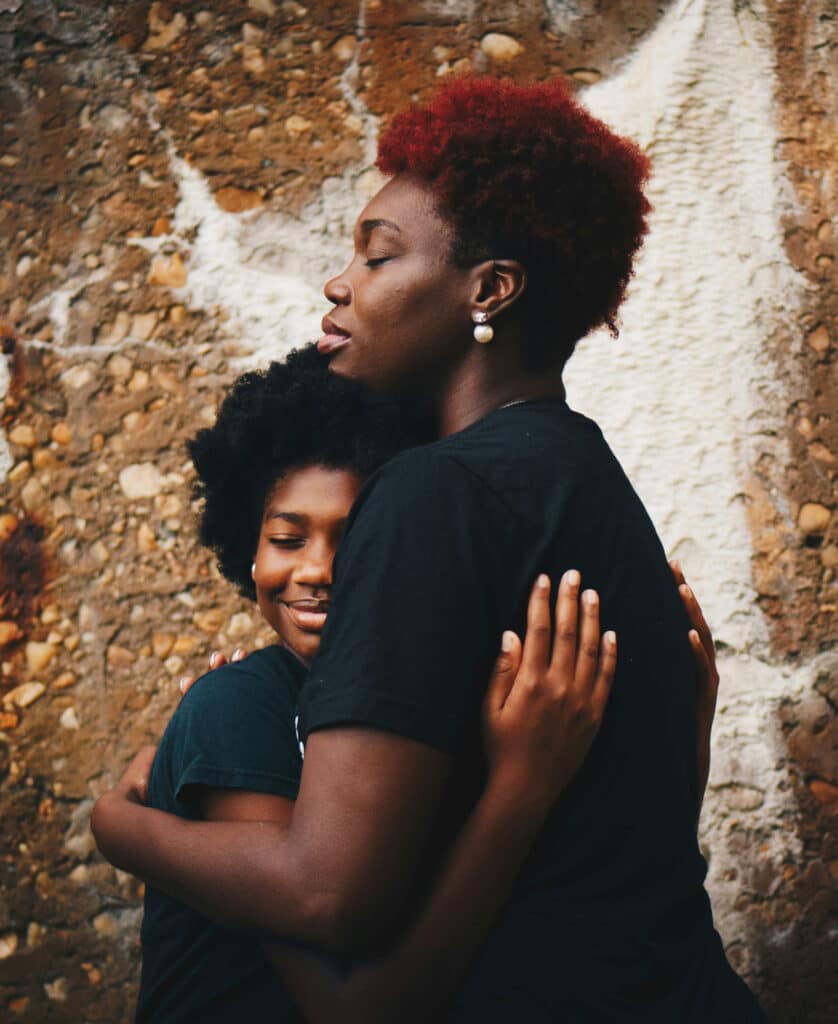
x: 364, y: 809
x: 542, y: 710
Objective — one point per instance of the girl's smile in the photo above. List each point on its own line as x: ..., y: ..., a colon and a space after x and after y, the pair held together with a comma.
x: 302, y: 523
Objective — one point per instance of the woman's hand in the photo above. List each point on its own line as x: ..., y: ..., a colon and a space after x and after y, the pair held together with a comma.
x: 546, y: 700
x: 707, y: 677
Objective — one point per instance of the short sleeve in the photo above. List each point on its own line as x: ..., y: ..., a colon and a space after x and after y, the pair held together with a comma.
x: 235, y: 729
x: 413, y: 628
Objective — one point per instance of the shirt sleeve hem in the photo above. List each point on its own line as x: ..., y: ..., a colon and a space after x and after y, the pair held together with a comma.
x: 217, y: 777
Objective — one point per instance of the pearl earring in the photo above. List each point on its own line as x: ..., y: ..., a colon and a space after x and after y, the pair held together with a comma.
x: 483, y: 332
x: 253, y: 571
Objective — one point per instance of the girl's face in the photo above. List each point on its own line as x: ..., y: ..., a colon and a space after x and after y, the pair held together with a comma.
x: 401, y: 320
x: 303, y: 520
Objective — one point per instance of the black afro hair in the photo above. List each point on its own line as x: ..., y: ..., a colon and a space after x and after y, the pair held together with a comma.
x: 293, y: 414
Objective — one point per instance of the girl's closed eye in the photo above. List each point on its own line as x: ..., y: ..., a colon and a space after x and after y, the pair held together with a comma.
x: 376, y: 261
x: 287, y: 542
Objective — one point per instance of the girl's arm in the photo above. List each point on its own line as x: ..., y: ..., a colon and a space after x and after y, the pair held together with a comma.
x: 541, y: 713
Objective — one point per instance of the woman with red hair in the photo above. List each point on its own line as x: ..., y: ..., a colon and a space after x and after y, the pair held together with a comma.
x: 506, y: 233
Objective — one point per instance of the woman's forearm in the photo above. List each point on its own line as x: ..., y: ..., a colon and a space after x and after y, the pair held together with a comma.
x: 422, y: 970
x: 247, y: 875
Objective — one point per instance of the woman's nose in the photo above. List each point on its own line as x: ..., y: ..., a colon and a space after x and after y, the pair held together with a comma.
x: 337, y: 290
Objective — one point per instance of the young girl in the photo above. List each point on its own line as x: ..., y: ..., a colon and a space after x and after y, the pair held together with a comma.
x: 278, y: 474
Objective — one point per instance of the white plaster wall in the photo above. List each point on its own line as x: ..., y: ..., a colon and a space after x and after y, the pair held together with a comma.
x: 687, y: 395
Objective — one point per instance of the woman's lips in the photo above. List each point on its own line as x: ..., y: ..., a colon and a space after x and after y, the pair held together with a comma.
x: 310, y: 616
x: 334, y: 337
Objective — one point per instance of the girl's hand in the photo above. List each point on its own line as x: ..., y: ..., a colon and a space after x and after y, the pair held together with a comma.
x: 707, y: 677
x: 216, y: 660
x: 133, y: 786
x: 546, y: 700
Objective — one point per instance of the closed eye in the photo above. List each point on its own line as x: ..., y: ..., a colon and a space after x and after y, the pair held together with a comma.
x: 376, y: 261
x: 287, y: 543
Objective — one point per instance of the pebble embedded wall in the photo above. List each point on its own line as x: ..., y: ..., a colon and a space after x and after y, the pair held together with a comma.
x: 177, y: 180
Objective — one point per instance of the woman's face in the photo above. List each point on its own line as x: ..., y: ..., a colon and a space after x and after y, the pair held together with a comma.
x: 401, y: 320
x: 303, y: 520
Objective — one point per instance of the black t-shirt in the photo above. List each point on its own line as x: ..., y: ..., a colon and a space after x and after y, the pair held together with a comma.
x: 610, y: 921
x: 233, y: 730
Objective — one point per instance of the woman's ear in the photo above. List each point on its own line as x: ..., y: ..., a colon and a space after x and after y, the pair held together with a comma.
x: 499, y: 283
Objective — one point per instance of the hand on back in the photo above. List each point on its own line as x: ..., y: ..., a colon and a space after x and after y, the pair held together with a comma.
x: 546, y: 699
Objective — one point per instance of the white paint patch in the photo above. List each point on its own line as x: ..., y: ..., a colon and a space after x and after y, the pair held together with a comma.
x: 682, y: 394
x: 264, y: 272
x: 687, y: 395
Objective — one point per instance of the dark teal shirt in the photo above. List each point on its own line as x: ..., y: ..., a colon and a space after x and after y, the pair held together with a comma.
x: 234, y: 729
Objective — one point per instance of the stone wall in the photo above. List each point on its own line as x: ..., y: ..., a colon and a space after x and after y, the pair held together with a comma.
x: 176, y: 182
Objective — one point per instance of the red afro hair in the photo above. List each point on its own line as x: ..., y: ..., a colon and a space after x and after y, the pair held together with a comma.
x: 526, y: 173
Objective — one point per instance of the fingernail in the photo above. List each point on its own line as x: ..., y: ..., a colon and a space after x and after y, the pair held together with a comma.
x: 507, y: 641
x: 214, y: 658
x: 685, y: 590
x: 238, y: 653
x: 572, y: 578
x: 590, y: 597
x: 182, y: 684
x: 610, y: 638
x: 543, y: 582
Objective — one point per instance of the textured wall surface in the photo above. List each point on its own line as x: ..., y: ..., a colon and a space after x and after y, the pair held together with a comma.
x: 176, y: 182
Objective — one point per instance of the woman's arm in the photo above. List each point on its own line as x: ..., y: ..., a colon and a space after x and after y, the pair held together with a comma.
x: 541, y: 713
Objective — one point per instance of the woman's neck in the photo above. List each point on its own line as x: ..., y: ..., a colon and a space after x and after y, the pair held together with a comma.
x: 479, y: 387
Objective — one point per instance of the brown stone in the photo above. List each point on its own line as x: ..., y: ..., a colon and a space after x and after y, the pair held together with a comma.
x: 9, y: 632
x: 38, y: 655
x: 19, y: 472
x: 65, y: 680
x: 819, y: 339
x: 823, y: 792
x: 209, y: 621
x: 163, y: 33
x: 24, y: 435
x: 8, y: 721
x: 184, y: 644
x: 162, y: 226
x: 43, y: 458
x: 142, y: 325
x: 344, y: 48
x: 829, y: 556
x: 162, y: 644
x: 61, y: 434
x: 8, y: 945
x: 168, y: 271
x: 146, y: 539
x: 500, y: 47
x: 296, y: 125
x: 8, y: 525
x: 237, y: 200
x: 25, y: 694
x: 120, y: 657
x: 814, y: 517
